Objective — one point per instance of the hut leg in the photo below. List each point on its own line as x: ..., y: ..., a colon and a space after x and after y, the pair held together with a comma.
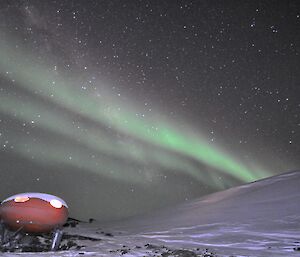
x: 57, y: 236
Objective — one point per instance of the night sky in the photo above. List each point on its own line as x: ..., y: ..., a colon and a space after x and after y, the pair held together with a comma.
x: 121, y: 107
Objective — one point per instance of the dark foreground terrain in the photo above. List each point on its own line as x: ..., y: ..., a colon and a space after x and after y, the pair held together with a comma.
x: 257, y: 219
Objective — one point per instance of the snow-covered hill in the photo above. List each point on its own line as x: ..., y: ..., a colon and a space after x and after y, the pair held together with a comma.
x: 260, y: 219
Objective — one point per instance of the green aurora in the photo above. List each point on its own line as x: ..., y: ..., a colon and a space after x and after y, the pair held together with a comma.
x: 57, y: 99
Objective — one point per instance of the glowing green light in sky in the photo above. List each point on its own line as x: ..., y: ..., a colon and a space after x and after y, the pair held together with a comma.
x: 166, y: 146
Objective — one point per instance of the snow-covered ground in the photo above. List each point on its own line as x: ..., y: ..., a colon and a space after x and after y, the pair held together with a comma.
x: 257, y: 219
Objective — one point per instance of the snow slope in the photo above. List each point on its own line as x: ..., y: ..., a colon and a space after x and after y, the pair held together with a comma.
x: 260, y: 219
